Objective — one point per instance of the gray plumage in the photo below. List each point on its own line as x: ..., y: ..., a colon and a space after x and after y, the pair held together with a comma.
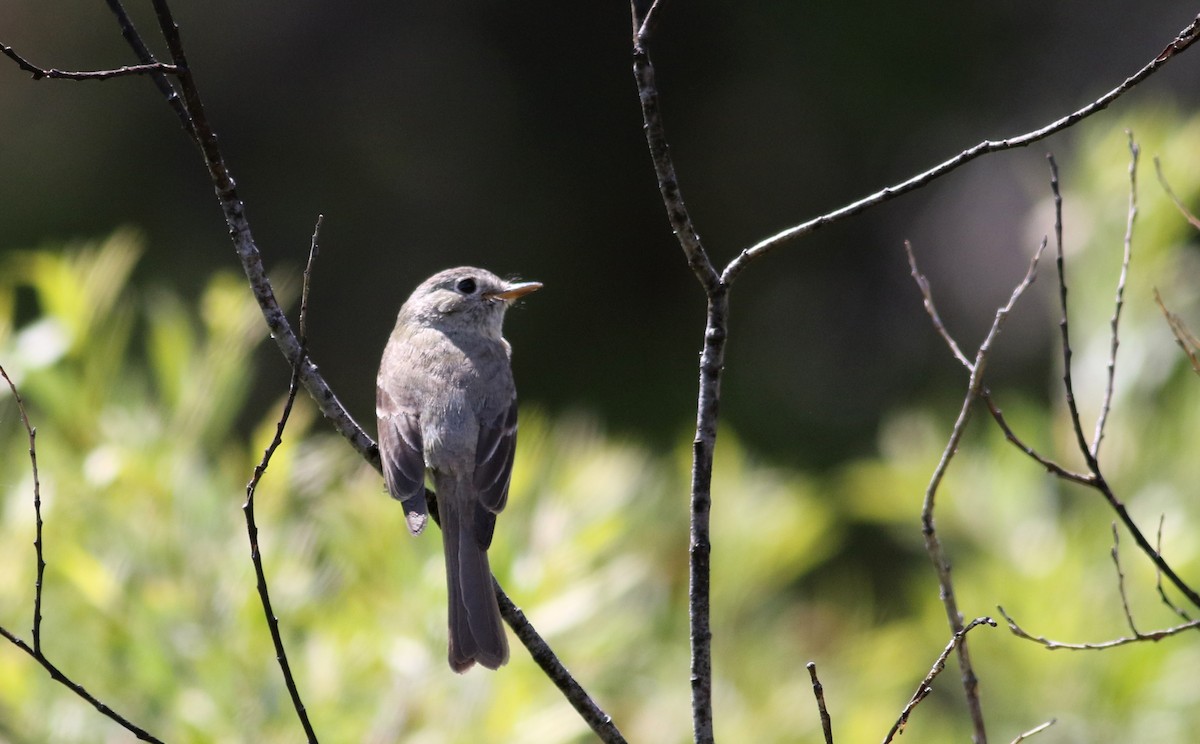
x: 447, y: 407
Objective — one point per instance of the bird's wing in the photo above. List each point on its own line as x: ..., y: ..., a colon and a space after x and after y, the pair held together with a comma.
x: 494, y: 458
x: 403, y: 458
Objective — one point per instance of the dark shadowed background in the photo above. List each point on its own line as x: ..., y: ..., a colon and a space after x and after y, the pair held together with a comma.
x: 509, y: 135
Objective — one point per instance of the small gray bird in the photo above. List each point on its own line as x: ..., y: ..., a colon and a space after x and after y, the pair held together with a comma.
x: 447, y: 407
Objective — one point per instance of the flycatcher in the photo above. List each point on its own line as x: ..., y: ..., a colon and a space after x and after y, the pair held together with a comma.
x: 447, y: 408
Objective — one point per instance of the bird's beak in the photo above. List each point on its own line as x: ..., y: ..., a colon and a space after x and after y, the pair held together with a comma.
x: 514, y: 291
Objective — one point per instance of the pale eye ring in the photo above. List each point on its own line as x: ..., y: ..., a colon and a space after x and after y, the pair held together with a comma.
x: 466, y: 286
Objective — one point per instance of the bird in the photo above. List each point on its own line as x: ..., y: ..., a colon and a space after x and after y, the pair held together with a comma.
x: 447, y: 410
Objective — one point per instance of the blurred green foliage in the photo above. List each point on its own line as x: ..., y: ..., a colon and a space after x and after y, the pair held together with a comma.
x: 150, y: 599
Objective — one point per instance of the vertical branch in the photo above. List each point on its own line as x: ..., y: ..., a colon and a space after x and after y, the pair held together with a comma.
x: 819, y: 694
x: 712, y: 362
x: 256, y: 558
x: 660, y: 154
x: 31, y: 433
x: 1063, y: 325
x: 1120, y: 300
x: 35, y: 651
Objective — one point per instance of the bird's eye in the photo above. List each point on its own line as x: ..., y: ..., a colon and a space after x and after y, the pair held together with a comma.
x: 466, y: 286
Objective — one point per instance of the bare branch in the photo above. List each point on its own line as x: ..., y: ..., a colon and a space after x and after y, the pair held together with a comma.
x: 146, y: 57
x: 660, y: 154
x: 1186, y: 37
x: 1011, y: 436
x: 50, y: 73
x: 1183, y: 336
x: 1063, y: 324
x: 1116, y: 556
x: 926, y: 685
x: 1183, y: 210
x: 1098, y: 435
x: 601, y: 723
x: 1162, y: 594
x: 313, y: 250
x: 933, y: 545
x: 35, y: 651
x: 931, y: 309
x: 39, y: 581
x: 712, y: 362
x: 1034, y: 731
x: 1154, y: 636
x: 252, y: 526
x: 819, y: 694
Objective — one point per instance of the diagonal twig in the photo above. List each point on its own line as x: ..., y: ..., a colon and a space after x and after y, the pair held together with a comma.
x: 601, y: 723
x: 1182, y: 41
x: 1131, y: 215
x: 1116, y: 557
x: 146, y: 57
x: 926, y: 686
x: 1183, y: 335
x: 1183, y: 210
x: 1033, y: 731
x: 931, y: 309
x: 1158, y: 583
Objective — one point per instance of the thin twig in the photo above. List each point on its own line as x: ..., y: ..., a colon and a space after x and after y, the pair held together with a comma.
x: 1186, y: 37
x: 1098, y: 436
x: 146, y: 57
x: 649, y: 21
x: 1033, y: 731
x: 31, y: 434
x: 256, y: 558
x: 1092, y: 478
x: 926, y: 685
x: 1011, y: 436
x: 313, y: 250
x: 660, y: 154
x: 1152, y: 636
x: 50, y: 73
x: 1116, y: 556
x: 248, y: 510
x: 601, y: 723
x: 35, y: 651
x: 247, y: 249
x: 819, y: 694
x: 1183, y: 335
x: 928, y: 527
x: 931, y: 309
x: 1183, y: 210
x: 1158, y: 583
x: 1063, y: 324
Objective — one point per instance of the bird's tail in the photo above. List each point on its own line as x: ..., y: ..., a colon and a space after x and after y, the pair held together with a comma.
x: 476, y: 630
